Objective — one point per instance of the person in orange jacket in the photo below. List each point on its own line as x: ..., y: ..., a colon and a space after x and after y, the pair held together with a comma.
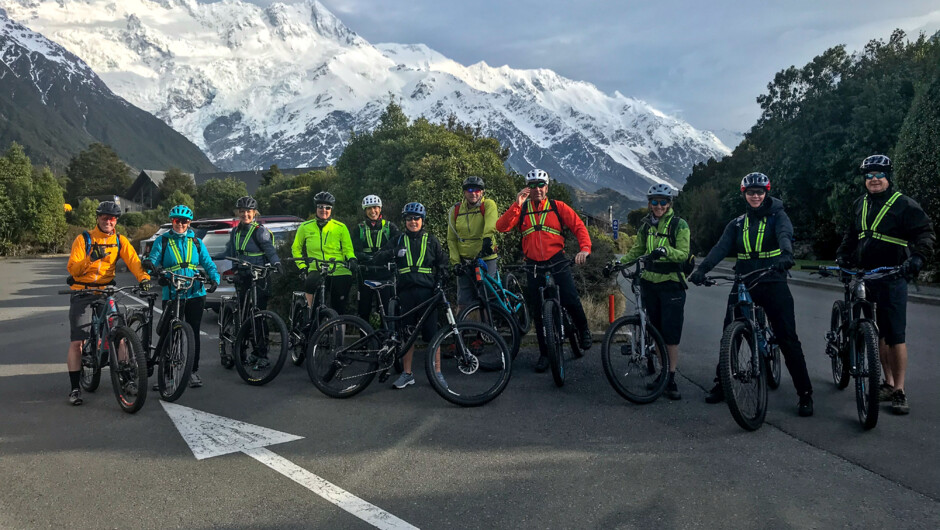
x: 92, y: 264
x: 541, y: 221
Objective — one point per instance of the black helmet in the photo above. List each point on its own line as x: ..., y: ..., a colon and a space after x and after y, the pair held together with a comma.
x: 876, y: 163
x: 324, y: 197
x: 108, y: 208
x: 755, y: 180
x: 473, y: 182
x: 246, y: 203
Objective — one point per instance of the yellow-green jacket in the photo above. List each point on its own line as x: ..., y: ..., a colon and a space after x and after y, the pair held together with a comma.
x: 466, y: 228
x: 332, y: 241
x: 651, y: 237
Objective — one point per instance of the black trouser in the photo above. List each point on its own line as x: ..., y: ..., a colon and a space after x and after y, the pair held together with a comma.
x: 368, y: 298
x: 337, y: 286
x: 777, y: 302
x: 568, y: 292
x: 192, y: 309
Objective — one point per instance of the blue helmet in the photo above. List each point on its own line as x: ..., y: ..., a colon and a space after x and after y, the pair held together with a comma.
x: 414, y: 208
x: 181, y: 210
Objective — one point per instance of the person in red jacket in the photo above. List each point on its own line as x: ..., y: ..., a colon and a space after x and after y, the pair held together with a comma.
x: 541, y: 221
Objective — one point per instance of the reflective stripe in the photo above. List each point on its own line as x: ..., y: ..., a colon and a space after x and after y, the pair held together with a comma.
x: 177, y: 255
x: 378, y: 237
x: 651, y: 238
x: 242, y: 244
x: 755, y: 251
x: 540, y: 224
x: 872, y: 232
x: 411, y: 264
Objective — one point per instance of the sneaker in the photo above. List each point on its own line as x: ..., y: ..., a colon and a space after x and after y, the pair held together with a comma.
x: 75, y: 397
x: 587, y: 339
x: 195, y: 381
x: 715, y: 395
x: 404, y: 380
x: 440, y: 379
x: 542, y: 364
x: 805, y: 407
x: 885, y: 392
x: 672, y: 389
x: 899, y: 403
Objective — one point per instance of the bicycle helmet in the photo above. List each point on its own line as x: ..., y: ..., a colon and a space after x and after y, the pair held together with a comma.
x: 876, y: 163
x: 246, y: 203
x: 536, y: 175
x: 108, y: 208
x: 755, y: 180
x: 659, y: 190
x: 414, y: 208
x: 473, y: 182
x: 324, y: 197
x: 371, y: 200
x: 181, y: 210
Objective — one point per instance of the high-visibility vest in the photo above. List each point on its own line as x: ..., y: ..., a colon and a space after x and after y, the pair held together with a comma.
x: 412, y: 264
x: 754, y: 251
x: 241, y: 243
x: 183, y: 260
x: 366, y: 233
x: 539, y: 224
x: 872, y: 231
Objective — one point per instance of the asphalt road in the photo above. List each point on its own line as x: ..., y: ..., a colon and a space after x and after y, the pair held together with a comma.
x: 536, y: 457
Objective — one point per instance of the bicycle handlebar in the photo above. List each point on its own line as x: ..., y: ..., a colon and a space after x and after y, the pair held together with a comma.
x: 750, y: 278
x: 847, y: 274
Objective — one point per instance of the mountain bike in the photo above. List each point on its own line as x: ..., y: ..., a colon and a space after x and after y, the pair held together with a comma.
x: 174, y: 353
x: 852, y: 339
x: 346, y: 353
x: 111, y: 343
x: 556, y: 323
x: 299, y: 327
x: 745, y: 356
x: 255, y: 341
x: 633, y: 353
x: 502, y: 308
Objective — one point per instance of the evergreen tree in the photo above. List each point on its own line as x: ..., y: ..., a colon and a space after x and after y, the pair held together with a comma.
x: 176, y: 180
x: 84, y: 214
x: 917, y: 164
x: 97, y: 171
x: 216, y: 197
x: 174, y: 199
x: 48, y: 222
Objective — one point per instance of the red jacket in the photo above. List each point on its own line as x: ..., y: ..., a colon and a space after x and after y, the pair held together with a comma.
x: 540, y: 245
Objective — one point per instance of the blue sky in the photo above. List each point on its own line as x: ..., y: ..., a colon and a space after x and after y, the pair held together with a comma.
x: 703, y: 61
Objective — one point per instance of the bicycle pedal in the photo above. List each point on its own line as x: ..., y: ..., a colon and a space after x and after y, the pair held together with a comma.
x: 383, y: 377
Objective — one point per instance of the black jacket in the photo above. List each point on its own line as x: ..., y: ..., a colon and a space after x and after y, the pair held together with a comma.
x: 732, y: 240
x: 365, y: 254
x: 904, y: 220
x: 434, y: 258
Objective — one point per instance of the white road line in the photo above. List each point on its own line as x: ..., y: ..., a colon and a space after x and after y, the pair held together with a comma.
x: 156, y: 309
x: 10, y: 370
x: 366, y: 511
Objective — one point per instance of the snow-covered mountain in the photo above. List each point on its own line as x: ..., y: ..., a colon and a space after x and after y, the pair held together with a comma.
x: 54, y: 105
x: 286, y: 84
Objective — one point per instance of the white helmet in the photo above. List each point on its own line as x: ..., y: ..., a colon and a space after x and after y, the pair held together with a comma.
x: 536, y: 175
x: 371, y: 200
x: 659, y: 190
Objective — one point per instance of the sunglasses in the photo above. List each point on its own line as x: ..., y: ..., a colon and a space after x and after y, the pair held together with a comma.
x: 413, y: 217
x: 109, y: 218
x: 180, y: 220
x: 324, y: 207
x: 660, y: 202
x: 533, y: 185
x: 755, y: 192
x: 869, y: 176
x: 473, y: 190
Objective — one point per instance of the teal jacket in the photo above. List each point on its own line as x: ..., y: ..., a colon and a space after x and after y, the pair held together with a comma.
x: 651, y: 237
x: 182, y: 254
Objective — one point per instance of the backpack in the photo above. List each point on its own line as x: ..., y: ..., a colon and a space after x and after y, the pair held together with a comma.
x: 87, y: 237
x: 166, y: 241
x: 457, y: 209
x: 687, y: 266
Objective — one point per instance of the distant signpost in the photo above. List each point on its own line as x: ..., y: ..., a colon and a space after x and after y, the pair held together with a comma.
x: 615, y: 225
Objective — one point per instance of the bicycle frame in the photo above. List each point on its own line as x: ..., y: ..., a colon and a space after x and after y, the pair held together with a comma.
x: 491, y: 288
x: 247, y: 305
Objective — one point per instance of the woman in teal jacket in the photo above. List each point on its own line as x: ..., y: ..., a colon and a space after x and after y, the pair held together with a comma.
x: 180, y: 251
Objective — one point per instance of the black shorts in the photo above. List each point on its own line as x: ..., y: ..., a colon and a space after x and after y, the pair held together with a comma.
x: 80, y: 315
x: 890, y: 298
x: 411, y: 298
x: 665, y: 307
x: 337, y: 288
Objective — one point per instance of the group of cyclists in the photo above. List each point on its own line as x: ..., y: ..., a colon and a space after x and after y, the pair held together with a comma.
x: 887, y: 229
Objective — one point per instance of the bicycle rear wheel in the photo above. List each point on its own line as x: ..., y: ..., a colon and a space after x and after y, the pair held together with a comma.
x: 299, y: 318
x: 464, y: 382
x: 836, y: 346
x: 261, y: 348
x: 176, y: 361
x: 128, y: 369
x: 227, y: 325
x: 393, y: 311
x: 772, y: 366
x: 554, y: 340
x: 90, y: 376
x: 498, y: 319
x: 520, y: 309
x: 744, y: 386
x: 637, y: 371
x: 868, y: 376
x: 342, y: 356
x: 573, y: 339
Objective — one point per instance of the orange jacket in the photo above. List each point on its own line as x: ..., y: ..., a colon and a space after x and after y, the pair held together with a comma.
x: 102, y: 270
x: 541, y: 245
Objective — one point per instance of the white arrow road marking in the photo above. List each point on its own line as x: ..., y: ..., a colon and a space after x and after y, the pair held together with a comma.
x: 208, y: 435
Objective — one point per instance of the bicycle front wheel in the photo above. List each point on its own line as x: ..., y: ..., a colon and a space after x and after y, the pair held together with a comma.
x: 128, y: 369
x: 227, y: 324
x: 459, y: 378
x: 554, y: 340
x: 176, y: 363
x: 498, y: 319
x: 573, y: 339
x: 635, y: 362
x: 261, y: 348
x: 868, y: 376
x: 343, y: 356
x: 836, y: 346
x: 744, y: 386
